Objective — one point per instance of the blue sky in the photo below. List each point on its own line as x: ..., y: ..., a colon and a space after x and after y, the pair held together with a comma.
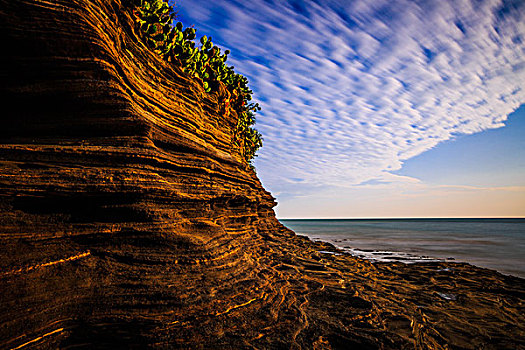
x: 495, y: 157
x: 381, y: 108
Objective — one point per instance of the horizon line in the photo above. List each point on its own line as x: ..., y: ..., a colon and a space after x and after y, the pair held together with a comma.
x: 404, y: 217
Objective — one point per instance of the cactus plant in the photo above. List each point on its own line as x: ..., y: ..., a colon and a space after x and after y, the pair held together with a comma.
x: 175, y: 44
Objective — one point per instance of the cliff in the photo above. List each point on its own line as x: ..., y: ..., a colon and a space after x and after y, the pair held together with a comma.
x: 128, y: 218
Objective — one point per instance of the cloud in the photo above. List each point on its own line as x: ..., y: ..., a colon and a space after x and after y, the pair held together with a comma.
x: 351, y: 89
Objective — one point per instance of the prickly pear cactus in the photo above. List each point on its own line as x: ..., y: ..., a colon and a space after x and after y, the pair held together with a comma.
x: 207, y: 63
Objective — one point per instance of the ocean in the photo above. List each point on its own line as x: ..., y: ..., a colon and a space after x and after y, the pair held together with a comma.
x: 497, y: 244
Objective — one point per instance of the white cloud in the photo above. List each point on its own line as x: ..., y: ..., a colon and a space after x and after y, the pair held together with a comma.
x: 352, y: 89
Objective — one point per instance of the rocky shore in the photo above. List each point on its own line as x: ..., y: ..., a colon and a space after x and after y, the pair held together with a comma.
x: 129, y: 220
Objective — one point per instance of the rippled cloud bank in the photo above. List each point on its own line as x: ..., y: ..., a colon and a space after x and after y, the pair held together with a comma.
x: 351, y: 89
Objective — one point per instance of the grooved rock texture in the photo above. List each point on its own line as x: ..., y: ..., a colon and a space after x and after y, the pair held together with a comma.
x: 127, y: 219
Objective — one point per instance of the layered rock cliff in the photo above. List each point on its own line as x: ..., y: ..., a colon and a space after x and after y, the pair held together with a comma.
x: 129, y: 220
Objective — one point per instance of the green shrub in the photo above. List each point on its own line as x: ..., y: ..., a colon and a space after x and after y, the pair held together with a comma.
x: 207, y: 63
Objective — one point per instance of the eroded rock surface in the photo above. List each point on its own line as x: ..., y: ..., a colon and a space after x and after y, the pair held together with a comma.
x: 128, y: 220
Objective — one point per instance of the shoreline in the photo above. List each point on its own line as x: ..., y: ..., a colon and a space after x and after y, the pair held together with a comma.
x: 453, y: 298
x: 489, y: 243
x: 387, y: 257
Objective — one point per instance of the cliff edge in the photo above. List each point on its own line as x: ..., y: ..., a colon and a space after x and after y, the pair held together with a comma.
x: 128, y: 219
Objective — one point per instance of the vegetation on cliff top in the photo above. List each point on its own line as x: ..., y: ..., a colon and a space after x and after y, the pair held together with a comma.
x: 205, y: 63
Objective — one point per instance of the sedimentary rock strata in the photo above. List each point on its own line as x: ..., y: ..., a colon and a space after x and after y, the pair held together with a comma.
x: 128, y: 218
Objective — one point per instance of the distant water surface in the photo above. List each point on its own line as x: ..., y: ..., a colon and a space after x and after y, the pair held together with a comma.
x: 497, y: 244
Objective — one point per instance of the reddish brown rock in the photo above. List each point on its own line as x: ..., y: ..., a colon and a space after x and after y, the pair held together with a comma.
x: 128, y: 220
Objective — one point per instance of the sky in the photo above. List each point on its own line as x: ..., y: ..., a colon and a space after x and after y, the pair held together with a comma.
x: 381, y: 108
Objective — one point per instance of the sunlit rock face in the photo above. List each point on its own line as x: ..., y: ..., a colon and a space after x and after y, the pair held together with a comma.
x: 128, y: 219
x: 121, y: 171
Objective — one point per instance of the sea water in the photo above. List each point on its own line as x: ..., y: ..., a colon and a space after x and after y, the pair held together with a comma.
x: 497, y: 244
